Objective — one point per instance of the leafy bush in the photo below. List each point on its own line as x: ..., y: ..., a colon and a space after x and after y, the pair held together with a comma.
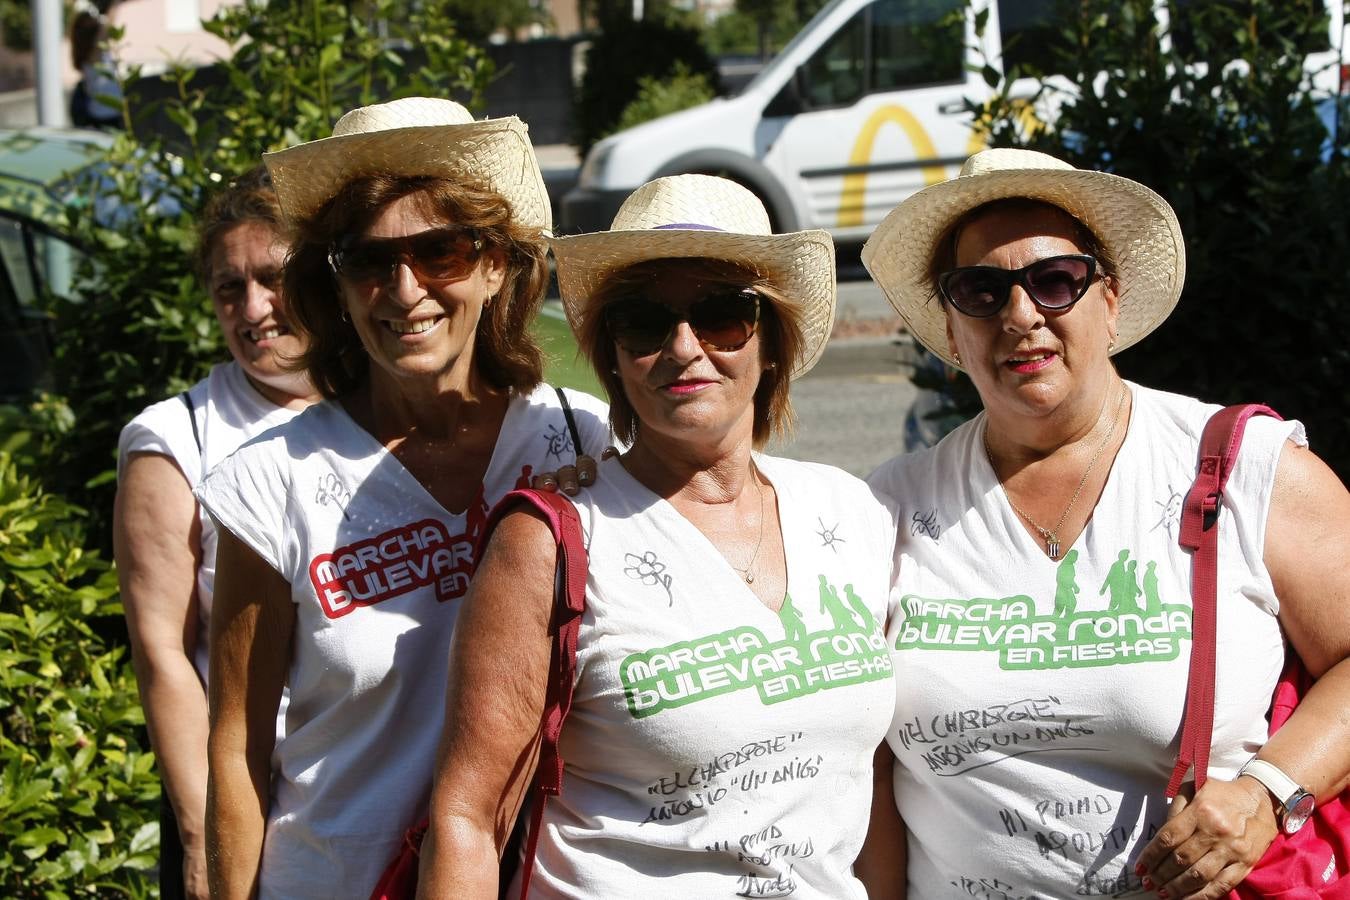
x: 619, y: 58
x: 78, y: 795
x: 658, y: 97
x: 1240, y: 153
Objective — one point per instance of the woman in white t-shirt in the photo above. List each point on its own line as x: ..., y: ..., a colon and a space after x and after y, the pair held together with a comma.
x: 348, y: 534
x: 165, y: 548
x: 732, y: 682
x: 1043, y: 633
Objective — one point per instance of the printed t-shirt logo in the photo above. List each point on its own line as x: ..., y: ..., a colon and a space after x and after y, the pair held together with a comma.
x: 391, y: 564
x: 851, y: 651
x: 1137, y: 626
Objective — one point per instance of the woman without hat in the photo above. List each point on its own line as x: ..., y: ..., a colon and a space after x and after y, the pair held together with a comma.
x: 1043, y: 636
x: 166, y: 550
x: 347, y: 540
x: 732, y: 683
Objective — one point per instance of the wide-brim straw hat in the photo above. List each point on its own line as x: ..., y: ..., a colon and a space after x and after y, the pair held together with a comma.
x: 1136, y: 226
x: 413, y: 136
x: 702, y: 216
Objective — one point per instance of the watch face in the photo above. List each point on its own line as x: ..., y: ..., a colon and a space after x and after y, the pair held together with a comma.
x: 1297, y: 814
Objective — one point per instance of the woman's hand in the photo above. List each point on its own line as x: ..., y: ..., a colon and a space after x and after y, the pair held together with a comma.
x: 194, y: 874
x: 570, y: 479
x: 1211, y: 840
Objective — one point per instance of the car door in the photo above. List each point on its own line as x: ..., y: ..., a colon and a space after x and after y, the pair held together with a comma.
x: 877, y: 112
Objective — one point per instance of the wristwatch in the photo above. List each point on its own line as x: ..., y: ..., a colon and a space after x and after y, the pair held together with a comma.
x: 1293, y: 805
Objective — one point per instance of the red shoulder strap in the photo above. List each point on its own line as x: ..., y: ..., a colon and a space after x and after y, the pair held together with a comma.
x: 569, y: 602
x: 1219, y: 445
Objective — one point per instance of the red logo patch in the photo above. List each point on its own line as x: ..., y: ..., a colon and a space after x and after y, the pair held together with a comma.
x: 391, y: 564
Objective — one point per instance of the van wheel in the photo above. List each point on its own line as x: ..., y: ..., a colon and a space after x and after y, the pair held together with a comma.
x: 775, y: 220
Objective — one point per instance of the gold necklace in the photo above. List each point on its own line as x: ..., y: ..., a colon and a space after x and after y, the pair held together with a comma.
x: 1051, y: 535
x: 746, y: 573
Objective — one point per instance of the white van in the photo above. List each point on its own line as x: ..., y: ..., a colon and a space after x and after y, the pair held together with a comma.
x: 865, y: 106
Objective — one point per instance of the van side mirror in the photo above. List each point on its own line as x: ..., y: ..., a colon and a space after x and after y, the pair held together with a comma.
x: 788, y: 101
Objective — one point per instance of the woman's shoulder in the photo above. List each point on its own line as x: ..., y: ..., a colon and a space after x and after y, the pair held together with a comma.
x: 903, y: 474
x: 166, y: 427
x: 828, y: 484
x: 1185, y: 417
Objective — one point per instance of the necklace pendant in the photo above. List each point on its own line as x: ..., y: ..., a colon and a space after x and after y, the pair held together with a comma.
x: 749, y: 577
x: 1052, y: 547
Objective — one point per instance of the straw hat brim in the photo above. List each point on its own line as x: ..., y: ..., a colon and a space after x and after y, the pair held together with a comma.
x: 799, y: 264
x: 497, y: 151
x: 1136, y: 226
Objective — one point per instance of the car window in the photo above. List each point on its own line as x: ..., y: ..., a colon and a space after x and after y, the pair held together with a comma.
x: 917, y: 42
x: 35, y: 261
x: 834, y: 75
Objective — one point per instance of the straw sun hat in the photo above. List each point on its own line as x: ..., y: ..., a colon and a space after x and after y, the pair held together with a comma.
x: 413, y: 136
x: 702, y: 216
x: 1136, y: 226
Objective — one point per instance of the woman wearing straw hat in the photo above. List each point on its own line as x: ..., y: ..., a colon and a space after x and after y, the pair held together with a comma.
x: 732, y: 682
x: 348, y: 533
x: 165, y: 547
x: 1042, y: 639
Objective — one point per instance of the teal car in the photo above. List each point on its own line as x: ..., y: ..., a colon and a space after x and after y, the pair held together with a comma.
x: 42, y: 170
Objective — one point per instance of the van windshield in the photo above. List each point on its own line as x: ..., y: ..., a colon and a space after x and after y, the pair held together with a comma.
x: 780, y: 60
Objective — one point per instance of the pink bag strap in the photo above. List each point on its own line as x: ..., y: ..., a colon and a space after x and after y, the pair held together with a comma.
x: 1219, y: 445
x: 569, y: 602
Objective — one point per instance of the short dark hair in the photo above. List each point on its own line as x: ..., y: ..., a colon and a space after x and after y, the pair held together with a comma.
x: 249, y: 198
x: 780, y: 332
x: 505, y: 352
x: 944, y: 253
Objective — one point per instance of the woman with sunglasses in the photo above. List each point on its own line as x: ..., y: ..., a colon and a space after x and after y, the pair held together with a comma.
x: 1042, y: 638
x: 348, y: 534
x: 732, y: 681
x: 165, y: 547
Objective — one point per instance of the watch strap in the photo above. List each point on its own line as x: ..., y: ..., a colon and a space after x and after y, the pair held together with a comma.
x: 1280, y: 785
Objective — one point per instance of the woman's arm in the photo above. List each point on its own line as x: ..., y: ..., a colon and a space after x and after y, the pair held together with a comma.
x: 881, y: 864
x: 498, y: 674
x: 1216, y: 838
x: 252, y: 619
x: 157, y: 544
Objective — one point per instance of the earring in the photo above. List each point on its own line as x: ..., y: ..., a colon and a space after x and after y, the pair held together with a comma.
x: 614, y: 371
x: 771, y: 366
x: 344, y: 315
x: 1111, y: 346
x: 956, y: 355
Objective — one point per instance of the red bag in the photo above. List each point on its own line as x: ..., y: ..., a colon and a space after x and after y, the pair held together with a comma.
x: 1314, y: 862
x: 399, y: 881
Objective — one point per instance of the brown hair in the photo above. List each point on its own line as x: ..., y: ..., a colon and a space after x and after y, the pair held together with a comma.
x: 249, y: 198
x: 505, y: 353
x: 780, y: 331
x: 944, y: 254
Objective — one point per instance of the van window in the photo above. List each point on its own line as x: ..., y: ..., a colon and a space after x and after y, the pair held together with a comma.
x: 917, y: 42
x: 834, y: 75
x: 1305, y: 22
x: 1034, y: 36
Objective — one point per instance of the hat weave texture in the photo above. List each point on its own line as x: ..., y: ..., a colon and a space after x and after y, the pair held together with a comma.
x: 1135, y: 225
x: 702, y: 216
x: 414, y: 136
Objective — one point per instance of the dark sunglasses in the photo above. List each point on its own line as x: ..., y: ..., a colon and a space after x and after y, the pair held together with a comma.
x: 1054, y: 283
x: 438, y: 255
x: 724, y: 319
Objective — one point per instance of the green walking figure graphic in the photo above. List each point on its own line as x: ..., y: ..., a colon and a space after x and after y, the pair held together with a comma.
x: 794, y: 629
x: 869, y: 624
x: 1066, y: 587
x: 1121, y: 582
x: 1153, y: 603
x: 830, y: 603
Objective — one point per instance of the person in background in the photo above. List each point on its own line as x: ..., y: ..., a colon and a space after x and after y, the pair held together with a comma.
x: 1042, y: 637
x: 94, y: 101
x: 732, y: 680
x: 165, y: 547
x: 347, y: 535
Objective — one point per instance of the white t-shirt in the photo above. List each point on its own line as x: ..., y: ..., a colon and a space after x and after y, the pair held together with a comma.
x: 1040, y: 702
x: 228, y: 412
x: 716, y: 748
x: 377, y: 568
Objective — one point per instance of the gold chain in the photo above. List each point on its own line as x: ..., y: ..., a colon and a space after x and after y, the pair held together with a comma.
x: 1051, y: 535
x: 748, y: 575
